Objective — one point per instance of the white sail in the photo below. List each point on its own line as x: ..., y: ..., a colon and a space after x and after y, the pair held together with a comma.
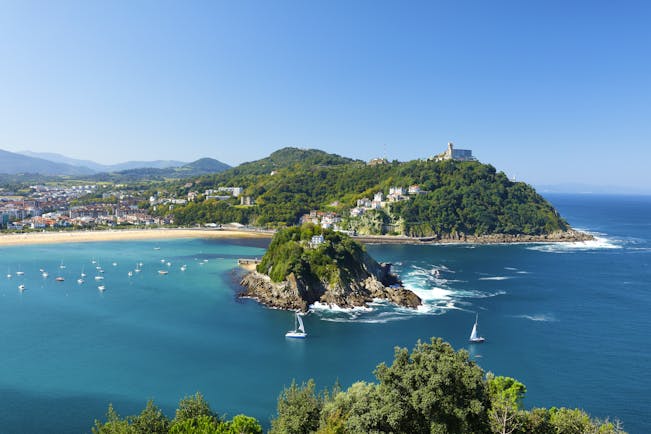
x: 473, y: 334
x: 301, y: 327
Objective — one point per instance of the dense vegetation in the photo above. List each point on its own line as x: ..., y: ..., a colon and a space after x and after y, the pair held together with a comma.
x: 193, y: 415
x: 432, y: 389
x: 458, y: 197
x: 337, y: 259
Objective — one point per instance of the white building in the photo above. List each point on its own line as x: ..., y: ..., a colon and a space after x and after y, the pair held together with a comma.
x: 316, y: 241
x: 455, y: 154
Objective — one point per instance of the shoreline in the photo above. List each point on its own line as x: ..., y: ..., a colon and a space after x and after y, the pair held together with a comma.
x: 30, y: 238
x: 18, y: 239
x: 570, y: 236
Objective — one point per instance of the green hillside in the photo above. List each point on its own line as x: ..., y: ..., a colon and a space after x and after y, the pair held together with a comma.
x: 455, y: 197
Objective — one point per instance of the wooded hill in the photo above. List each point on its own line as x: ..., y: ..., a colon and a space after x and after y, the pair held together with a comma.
x: 456, y: 197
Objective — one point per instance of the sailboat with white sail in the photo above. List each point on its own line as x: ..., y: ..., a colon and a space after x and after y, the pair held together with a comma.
x: 474, y: 335
x: 299, y: 329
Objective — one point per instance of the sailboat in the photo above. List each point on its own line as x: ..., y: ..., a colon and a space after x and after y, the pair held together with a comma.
x: 299, y: 329
x: 474, y: 335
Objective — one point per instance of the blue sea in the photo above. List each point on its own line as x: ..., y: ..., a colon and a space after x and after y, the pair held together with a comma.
x: 571, y: 321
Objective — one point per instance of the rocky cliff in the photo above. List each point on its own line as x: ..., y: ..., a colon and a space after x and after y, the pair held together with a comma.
x: 308, y: 264
x: 297, y: 294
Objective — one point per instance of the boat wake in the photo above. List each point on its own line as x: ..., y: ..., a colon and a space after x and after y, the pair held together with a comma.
x: 539, y: 317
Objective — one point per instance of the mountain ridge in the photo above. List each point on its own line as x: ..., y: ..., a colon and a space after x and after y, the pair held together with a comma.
x: 53, y: 164
x: 98, y: 167
x: 13, y: 163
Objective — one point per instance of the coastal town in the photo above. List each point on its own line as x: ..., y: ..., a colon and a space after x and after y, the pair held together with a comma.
x: 45, y: 207
x: 41, y: 206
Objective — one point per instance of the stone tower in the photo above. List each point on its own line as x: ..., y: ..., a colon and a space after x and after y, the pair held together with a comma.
x: 448, y: 152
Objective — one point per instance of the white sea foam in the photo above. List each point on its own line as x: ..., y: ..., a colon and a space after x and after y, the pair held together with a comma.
x: 318, y: 306
x: 426, y: 281
x: 599, y: 243
x: 495, y: 278
x: 510, y: 268
x: 539, y: 317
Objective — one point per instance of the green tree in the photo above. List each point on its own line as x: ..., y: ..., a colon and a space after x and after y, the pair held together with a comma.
x: 201, y: 424
x: 191, y: 407
x: 436, y: 389
x: 113, y: 425
x: 506, y: 395
x: 242, y: 424
x: 299, y: 410
x: 360, y: 409
x: 151, y: 420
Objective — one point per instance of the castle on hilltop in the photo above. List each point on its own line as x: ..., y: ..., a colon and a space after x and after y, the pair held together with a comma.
x: 455, y: 154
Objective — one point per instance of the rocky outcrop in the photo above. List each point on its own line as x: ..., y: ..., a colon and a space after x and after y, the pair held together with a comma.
x: 296, y: 294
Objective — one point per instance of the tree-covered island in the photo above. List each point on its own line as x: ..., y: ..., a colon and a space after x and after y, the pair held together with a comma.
x: 309, y: 264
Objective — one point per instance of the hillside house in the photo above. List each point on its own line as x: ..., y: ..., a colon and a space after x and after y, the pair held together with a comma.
x: 316, y: 241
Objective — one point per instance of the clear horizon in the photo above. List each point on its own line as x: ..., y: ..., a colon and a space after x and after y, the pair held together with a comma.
x: 549, y: 93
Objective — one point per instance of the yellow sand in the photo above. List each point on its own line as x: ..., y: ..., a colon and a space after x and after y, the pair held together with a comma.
x: 120, y: 235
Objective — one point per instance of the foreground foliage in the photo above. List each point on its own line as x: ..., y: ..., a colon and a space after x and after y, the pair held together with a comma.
x: 192, y: 416
x: 433, y: 389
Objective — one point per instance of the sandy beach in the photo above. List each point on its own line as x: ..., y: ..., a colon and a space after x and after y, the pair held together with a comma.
x: 168, y: 233
x: 123, y: 235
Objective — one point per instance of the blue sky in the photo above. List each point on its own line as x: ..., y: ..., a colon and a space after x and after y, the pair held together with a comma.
x: 550, y: 92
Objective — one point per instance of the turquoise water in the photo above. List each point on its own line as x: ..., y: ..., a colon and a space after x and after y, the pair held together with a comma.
x: 568, y: 321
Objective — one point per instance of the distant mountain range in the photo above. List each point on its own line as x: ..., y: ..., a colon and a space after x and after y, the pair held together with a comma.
x: 96, y: 167
x: 52, y: 164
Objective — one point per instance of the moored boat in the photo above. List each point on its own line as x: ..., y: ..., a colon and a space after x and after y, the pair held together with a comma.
x: 474, y: 334
x: 299, y: 329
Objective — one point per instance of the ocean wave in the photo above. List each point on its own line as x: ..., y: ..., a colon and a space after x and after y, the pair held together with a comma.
x: 428, y: 283
x: 318, y: 306
x: 496, y: 278
x: 378, y: 312
x: 599, y: 243
x: 540, y: 317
